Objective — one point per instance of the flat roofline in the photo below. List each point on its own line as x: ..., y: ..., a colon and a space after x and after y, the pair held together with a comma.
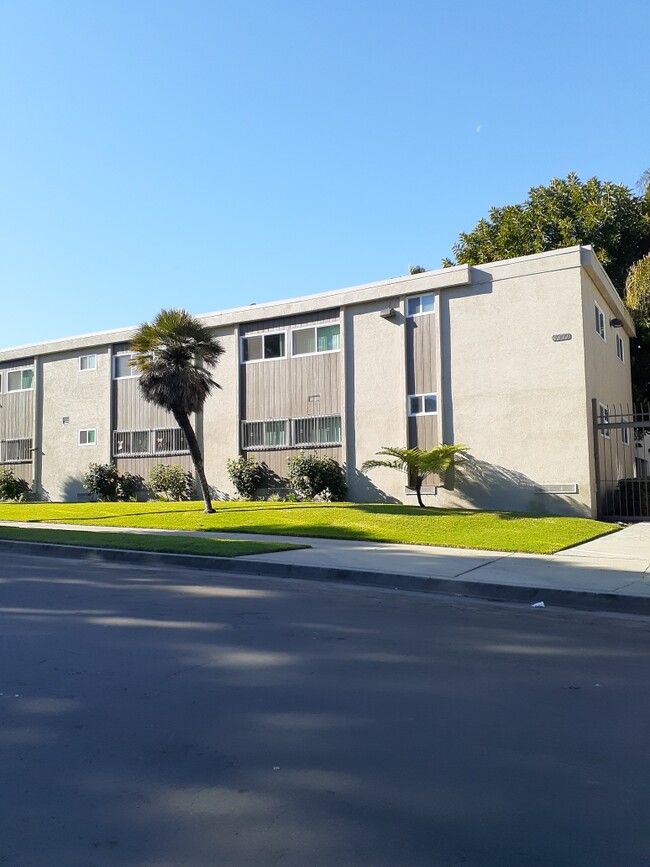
x: 438, y: 279
x: 458, y: 275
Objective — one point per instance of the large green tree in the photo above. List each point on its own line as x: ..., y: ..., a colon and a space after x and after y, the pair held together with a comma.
x: 564, y: 213
x: 172, y: 354
x: 637, y: 298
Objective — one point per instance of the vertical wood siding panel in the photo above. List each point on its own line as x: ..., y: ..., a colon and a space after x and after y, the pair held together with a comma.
x: 17, y: 415
x: 132, y: 412
x: 276, y: 459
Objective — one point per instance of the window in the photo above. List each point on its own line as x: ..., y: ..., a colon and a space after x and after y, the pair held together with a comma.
x: 87, y: 438
x: 20, y: 380
x: 87, y: 362
x: 168, y: 440
x: 625, y: 436
x: 423, y: 404
x: 419, y: 305
x: 122, y: 368
x: 604, y: 417
x: 264, y: 346
x: 620, y: 348
x: 157, y: 441
x: 321, y: 338
x: 264, y: 434
x: 292, y: 433
x: 319, y: 430
x: 15, y: 451
x: 600, y: 321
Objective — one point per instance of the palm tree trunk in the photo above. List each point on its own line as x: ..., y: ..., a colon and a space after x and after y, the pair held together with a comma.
x: 418, y: 490
x: 183, y: 421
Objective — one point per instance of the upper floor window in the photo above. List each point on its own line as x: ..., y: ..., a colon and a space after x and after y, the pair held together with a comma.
x: 20, y: 380
x: 419, y: 304
x: 423, y: 404
x: 87, y: 362
x: 620, y: 348
x: 318, y: 338
x: 122, y: 367
x: 264, y: 346
x: 600, y: 321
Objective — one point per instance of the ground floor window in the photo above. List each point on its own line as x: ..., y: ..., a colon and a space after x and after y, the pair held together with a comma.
x: 149, y: 442
x: 292, y: 433
x: 16, y: 451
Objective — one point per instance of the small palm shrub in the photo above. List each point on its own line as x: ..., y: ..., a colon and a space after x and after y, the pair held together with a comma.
x: 12, y: 488
x: 246, y: 475
x: 312, y: 478
x: 171, y: 482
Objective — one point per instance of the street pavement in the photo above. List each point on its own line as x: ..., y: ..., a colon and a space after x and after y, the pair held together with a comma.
x: 158, y: 717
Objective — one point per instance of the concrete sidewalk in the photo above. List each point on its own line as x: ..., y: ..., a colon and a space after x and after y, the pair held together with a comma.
x: 597, y: 573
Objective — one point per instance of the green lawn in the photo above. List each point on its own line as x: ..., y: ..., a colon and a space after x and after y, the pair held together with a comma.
x: 457, y: 528
x: 144, y: 542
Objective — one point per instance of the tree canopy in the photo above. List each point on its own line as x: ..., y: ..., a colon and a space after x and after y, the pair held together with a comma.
x: 171, y: 353
x: 564, y: 213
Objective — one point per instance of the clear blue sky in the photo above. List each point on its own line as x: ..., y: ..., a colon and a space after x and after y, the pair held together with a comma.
x: 213, y: 154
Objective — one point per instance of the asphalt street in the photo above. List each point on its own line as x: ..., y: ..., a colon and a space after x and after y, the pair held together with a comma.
x: 157, y: 718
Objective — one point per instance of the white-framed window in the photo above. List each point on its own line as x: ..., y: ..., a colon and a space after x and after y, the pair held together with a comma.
x: 418, y: 305
x: 620, y: 348
x: 262, y: 347
x: 122, y: 367
x: 20, y: 379
x: 16, y: 451
x: 316, y: 338
x: 625, y: 436
x: 88, y: 437
x: 87, y: 362
x: 604, y: 417
x: 600, y: 321
x: 285, y: 433
x: 150, y: 441
x: 270, y: 434
x: 316, y: 431
x: 423, y: 404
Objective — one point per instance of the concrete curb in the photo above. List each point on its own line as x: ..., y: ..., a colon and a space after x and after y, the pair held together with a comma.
x: 584, y: 600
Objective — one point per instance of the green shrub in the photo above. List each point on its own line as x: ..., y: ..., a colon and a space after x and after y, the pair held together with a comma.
x: 107, y: 484
x: 246, y: 475
x: 171, y: 482
x: 12, y: 488
x: 128, y: 486
x: 102, y: 481
x: 312, y: 477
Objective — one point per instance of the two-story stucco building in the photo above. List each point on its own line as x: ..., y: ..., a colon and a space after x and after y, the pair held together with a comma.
x: 505, y: 357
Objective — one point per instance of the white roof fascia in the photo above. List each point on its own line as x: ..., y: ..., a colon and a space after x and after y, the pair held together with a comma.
x: 592, y: 266
x: 428, y: 281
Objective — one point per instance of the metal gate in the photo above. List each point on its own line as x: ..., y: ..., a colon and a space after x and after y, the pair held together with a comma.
x: 622, y: 459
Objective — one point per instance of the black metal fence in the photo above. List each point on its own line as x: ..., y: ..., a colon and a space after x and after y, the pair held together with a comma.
x: 622, y: 454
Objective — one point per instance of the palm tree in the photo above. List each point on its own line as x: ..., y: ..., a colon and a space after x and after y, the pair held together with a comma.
x: 170, y: 353
x: 418, y: 463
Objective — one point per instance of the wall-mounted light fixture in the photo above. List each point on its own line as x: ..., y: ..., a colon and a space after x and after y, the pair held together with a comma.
x: 616, y: 323
x: 388, y: 313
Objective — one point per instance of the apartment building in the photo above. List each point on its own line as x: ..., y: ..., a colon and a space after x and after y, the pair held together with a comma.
x: 505, y: 357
